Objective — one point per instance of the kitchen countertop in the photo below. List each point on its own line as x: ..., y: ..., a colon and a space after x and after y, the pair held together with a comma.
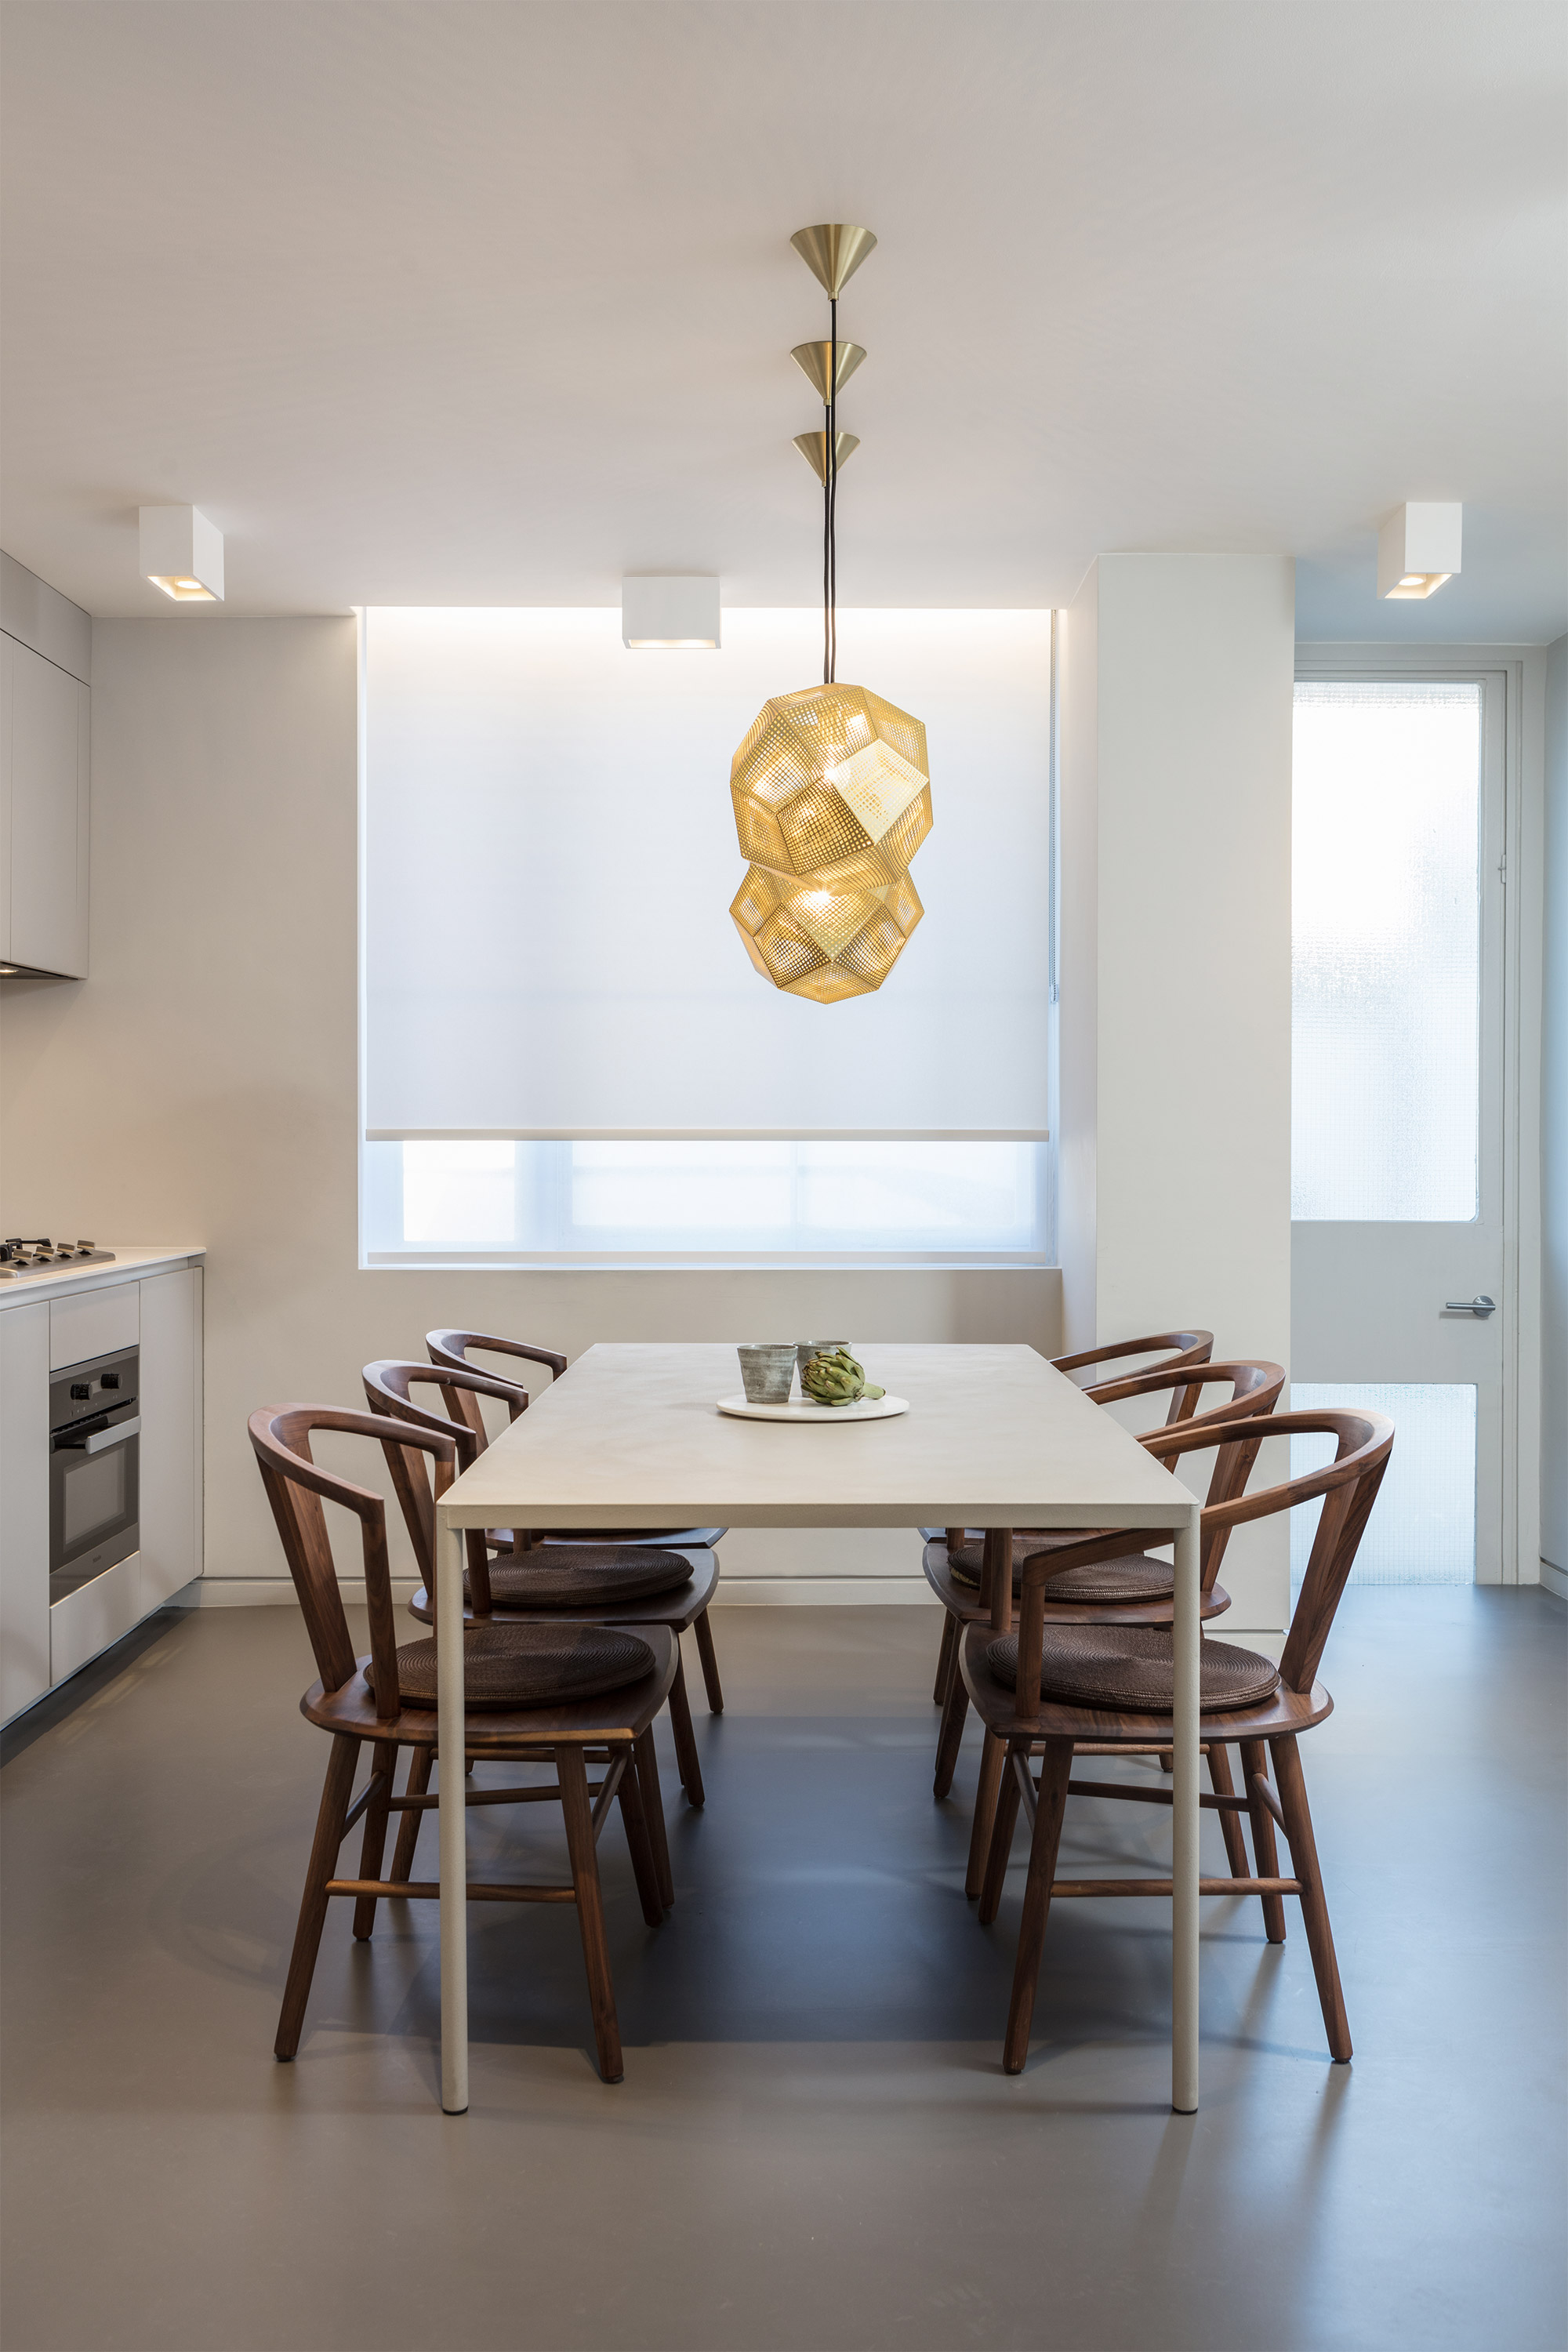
x: 131, y: 1259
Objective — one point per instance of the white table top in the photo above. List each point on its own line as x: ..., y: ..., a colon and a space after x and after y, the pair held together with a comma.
x: 994, y: 1437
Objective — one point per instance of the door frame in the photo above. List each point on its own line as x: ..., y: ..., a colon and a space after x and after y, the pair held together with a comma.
x: 1525, y: 796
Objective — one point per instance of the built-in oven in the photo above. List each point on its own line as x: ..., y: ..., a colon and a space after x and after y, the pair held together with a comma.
x: 94, y: 1425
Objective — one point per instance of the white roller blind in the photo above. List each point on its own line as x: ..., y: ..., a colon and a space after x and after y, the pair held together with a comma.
x: 551, y: 857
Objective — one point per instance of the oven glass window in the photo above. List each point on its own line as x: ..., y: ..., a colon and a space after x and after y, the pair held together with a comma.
x: 94, y: 1495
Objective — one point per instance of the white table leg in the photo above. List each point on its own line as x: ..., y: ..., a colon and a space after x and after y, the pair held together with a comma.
x: 453, y: 1819
x: 1185, y: 1637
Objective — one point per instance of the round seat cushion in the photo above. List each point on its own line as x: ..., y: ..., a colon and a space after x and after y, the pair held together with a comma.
x: 1132, y: 1583
x: 527, y: 1665
x: 1127, y: 1670
x: 586, y: 1576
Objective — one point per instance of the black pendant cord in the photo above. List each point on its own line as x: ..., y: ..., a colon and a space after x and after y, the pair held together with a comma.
x: 833, y: 494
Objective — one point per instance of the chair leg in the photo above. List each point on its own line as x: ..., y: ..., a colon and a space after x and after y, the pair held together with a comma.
x: 383, y: 1759
x: 1005, y: 1821
x: 653, y: 1808
x: 630, y: 1795
x: 993, y: 1759
x: 950, y: 1740
x: 685, y: 1737
x: 1055, y: 1772
x: 1230, y: 1823
x: 328, y: 1837
x: 572, y: 1774
x: 946, y: 1657
x: 1292, y: 1790
x: 705, y: 1653
x: 419, y: 1763
x: 1255, y: 1759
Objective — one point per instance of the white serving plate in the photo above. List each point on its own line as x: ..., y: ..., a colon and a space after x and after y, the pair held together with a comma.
x: 886, y: 1408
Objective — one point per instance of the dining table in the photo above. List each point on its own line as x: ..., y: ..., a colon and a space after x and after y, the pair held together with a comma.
x: 994, y: 1437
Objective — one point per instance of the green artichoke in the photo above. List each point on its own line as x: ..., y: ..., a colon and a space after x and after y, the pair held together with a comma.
x: 836, y: 1378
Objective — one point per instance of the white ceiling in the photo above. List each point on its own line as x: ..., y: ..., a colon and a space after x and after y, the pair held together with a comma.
x: 490, y: 303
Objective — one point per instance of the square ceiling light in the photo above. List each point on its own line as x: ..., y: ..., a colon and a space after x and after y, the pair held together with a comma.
x: 670, y: 614
x: 1419, y: 549
x: 182, y: 553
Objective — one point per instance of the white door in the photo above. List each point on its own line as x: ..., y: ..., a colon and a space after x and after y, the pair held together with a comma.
x: 1398, y: 1241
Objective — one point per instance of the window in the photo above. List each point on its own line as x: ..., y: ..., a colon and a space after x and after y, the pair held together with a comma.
x: 568, y: 1054
x: 1385, y: 953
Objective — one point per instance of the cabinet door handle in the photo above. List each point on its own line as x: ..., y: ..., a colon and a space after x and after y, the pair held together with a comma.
x: 1480, y: 1305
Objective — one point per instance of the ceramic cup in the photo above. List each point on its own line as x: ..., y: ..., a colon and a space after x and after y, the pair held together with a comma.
x: 767, y: 1367
x: 806, y: 1349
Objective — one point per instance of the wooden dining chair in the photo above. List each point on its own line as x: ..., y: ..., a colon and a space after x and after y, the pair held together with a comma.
x: 1176, y: 1346
x: 550, y: 1694
x: 1052, y: 1691
x: 1129, y: 1588
x: 450, y: 1348
x: 618, y: 1583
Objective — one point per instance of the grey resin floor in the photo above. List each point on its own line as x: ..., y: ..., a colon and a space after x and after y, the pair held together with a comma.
x: 815, y: 2146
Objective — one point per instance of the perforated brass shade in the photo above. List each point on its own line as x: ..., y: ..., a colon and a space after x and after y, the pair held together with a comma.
x: 822, y: 944
x: 832, y: 799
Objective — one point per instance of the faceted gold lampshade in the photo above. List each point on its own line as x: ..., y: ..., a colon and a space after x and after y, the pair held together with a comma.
x: 827, y: 775
x: 824, y: 944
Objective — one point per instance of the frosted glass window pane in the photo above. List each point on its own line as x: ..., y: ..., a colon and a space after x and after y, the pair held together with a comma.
x: 1385, y: 1029
x: 486, y: 1201
x: 1422, y: 1525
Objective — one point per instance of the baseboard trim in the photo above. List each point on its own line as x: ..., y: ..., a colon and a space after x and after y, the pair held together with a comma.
x: 1554, y: 1580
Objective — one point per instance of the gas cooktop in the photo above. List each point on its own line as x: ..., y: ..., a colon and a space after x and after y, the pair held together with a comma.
x: 20, y: 1258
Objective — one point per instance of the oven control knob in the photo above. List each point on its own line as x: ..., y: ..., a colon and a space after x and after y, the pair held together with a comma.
x: 80, y: 1392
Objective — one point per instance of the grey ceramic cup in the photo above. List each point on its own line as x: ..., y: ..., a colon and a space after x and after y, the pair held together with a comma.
x: 767, y: 1368
x: 806, y: 1349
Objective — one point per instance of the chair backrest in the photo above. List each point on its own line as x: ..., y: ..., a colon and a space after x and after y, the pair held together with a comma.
x: 280, y: 1435
x: 388, y: 1387
x: 450, y: 1348
x: 1176, y: 1347
x: 1255, y: 1390
x: 1348, y: 1485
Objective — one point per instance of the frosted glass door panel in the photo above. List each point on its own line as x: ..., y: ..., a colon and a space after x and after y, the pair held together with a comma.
x: 1386, y: 952
x: 1422, y: 1525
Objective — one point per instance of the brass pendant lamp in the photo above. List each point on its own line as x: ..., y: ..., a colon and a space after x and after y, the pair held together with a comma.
x: 831, y: 786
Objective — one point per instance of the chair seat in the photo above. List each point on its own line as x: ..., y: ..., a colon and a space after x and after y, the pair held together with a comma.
x: 683, y: 1538
x: 1084, y: 1603
x: 1132, y: 1576
x: 526, y: 1666
x: 1131, y: 1670
x: 586, y: 1576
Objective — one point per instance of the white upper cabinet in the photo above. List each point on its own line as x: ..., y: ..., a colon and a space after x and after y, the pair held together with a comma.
x: 45, y: 744
x: 46, y: 666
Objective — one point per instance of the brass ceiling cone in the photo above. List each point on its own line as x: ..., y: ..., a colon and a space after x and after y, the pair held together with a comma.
x: 812, y: 447
x: 816, y: 360
x: 832, y: 252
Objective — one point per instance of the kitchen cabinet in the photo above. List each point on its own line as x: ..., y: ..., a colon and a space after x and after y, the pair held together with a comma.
x: 45, y: 764
x: 157, y: 1309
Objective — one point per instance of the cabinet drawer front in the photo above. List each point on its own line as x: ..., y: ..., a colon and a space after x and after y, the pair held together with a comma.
x: 93, y: 1323
x: 87, y: 1620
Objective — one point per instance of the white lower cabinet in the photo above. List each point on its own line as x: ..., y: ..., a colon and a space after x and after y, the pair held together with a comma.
x: 24, y: 1506
x: 41, y: 1645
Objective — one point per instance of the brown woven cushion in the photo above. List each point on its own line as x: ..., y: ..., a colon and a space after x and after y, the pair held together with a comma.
x: 527, y: 1665
x: 1127, y: 1669
x: 966, y: 1562
x: 586, y: 1576
x: 1134, y: 1577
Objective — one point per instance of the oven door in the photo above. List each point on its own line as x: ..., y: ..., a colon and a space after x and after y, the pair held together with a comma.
x: 93, y: 1497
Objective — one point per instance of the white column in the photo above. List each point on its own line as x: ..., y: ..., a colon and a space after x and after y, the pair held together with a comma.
x: 1175, y: 1125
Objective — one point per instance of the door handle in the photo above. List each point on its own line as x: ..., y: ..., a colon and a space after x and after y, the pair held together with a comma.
x: 102, y: 1439
x: 1480, y: 1305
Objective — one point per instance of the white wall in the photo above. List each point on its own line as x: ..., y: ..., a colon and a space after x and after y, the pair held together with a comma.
x: 1554, y: 1135
x: 1175, y: 1200
x: 200, y: 1084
